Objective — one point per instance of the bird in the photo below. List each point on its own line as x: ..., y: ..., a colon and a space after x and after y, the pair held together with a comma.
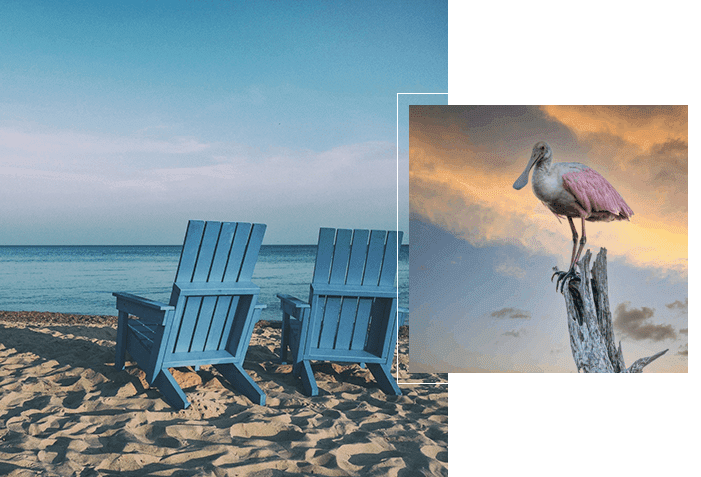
x: 572, y: 190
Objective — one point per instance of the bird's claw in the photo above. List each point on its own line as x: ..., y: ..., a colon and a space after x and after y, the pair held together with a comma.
x: 564, y: 277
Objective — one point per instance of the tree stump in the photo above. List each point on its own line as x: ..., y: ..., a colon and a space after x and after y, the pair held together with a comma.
x: 589, y: 322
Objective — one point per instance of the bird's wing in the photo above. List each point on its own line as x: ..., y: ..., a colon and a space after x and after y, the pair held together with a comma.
x: 594, y: 193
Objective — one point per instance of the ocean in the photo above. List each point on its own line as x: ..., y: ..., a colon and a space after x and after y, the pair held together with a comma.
x: 81, y: 279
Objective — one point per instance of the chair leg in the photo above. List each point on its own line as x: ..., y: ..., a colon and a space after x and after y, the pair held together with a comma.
x: 308, y: 380
x: 383, y: 375
x: 169, y: 387
x: 285, y: 338
x: 121, y: 348
x: 240, y: 379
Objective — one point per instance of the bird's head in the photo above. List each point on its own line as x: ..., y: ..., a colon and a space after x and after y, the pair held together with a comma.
x: 541, y: 152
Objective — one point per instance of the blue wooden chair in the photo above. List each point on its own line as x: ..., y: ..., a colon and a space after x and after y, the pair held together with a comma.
x: 210, y: 317
x: 352, y: 312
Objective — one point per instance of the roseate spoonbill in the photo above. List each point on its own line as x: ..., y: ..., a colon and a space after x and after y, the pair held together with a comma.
x: 571, y: 189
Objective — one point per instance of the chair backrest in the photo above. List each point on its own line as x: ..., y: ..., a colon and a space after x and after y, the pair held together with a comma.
x: 221, y: 252
x: 353, y: 292
x: 213, y: 293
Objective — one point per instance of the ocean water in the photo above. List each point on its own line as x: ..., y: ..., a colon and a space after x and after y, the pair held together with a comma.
x: 81, y: 279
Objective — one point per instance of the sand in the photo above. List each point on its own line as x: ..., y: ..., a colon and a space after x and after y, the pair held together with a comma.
x: 65, y: 410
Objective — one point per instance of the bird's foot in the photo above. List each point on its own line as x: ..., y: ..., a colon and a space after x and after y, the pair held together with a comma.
x: 564, y: 277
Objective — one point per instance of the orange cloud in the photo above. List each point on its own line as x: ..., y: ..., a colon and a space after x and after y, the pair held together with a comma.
x: 644, y: 127
x: 482, y: 207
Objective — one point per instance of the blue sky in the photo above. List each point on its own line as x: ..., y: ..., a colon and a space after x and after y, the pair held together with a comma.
x: 482, y: 253
x: 120, y: 121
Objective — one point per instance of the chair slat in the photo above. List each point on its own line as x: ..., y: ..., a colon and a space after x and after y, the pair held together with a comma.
x: 324, y: 255
x: 191, y: 249
x: 221, y: 256
x: 249, y: 261
x: 230, y: 316
x: 389, y: 262
x: 376, y: 250
x: 206, y: 255
x: 329, y: 322
x: 188, y: 322
x: 358, y: 256
x: 341, y: 255
x: 238, y: 251
x: 216, y: 331
x: 346, y: 322
x: 204, y: 322
x: 362, y: 319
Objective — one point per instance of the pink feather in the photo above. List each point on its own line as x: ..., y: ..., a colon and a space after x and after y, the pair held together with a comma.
x: 596, y: 195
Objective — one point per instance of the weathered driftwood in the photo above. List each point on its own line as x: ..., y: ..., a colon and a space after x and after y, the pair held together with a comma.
x: 589, y: 322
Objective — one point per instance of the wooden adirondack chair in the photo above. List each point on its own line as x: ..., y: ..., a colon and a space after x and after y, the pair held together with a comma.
x: 210, y: 317
x: 352, y: 312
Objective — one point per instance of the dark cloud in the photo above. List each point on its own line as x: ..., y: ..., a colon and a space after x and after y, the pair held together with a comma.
x: 637, y: 324
x: 637, y: 116
x: 677, y: 147
x: 665, y: 161
x: 684, y: 350
x: 678, y: 305
x: 488, y: 138
x: 515, y: 334
x: 511, y: 313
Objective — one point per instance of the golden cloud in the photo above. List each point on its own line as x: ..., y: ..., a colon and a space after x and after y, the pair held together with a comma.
x: 642, y: 126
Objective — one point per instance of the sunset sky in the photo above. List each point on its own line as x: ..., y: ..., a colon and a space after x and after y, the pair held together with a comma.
x: 483, y: 252
x: 120, y: 121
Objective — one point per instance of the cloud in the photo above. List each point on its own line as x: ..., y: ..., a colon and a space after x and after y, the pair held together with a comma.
x: 636, y: 324
x: 684, y: 350
x: 68, y: 142
x: 511, y: 313
x: 643, y: 126
x: 510, y: 268
x: 182, y: 165
x: 678, y: 305
x: 284, y: 174
x: 277, y: 185
x: 515, y: 334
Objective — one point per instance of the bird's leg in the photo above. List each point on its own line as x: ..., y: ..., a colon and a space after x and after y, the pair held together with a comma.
x: 581, y: 244
x: 574, y: 241
x: 571, y: 273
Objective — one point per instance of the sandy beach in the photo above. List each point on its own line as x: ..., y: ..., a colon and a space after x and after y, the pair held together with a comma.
x: 65, y: 410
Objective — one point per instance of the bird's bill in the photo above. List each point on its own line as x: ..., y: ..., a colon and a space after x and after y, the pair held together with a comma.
x: 523, y: 178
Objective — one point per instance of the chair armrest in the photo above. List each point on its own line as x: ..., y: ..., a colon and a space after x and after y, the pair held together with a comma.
x: 148, y: 310
x: 156, y: 305
x: 291, y: 305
